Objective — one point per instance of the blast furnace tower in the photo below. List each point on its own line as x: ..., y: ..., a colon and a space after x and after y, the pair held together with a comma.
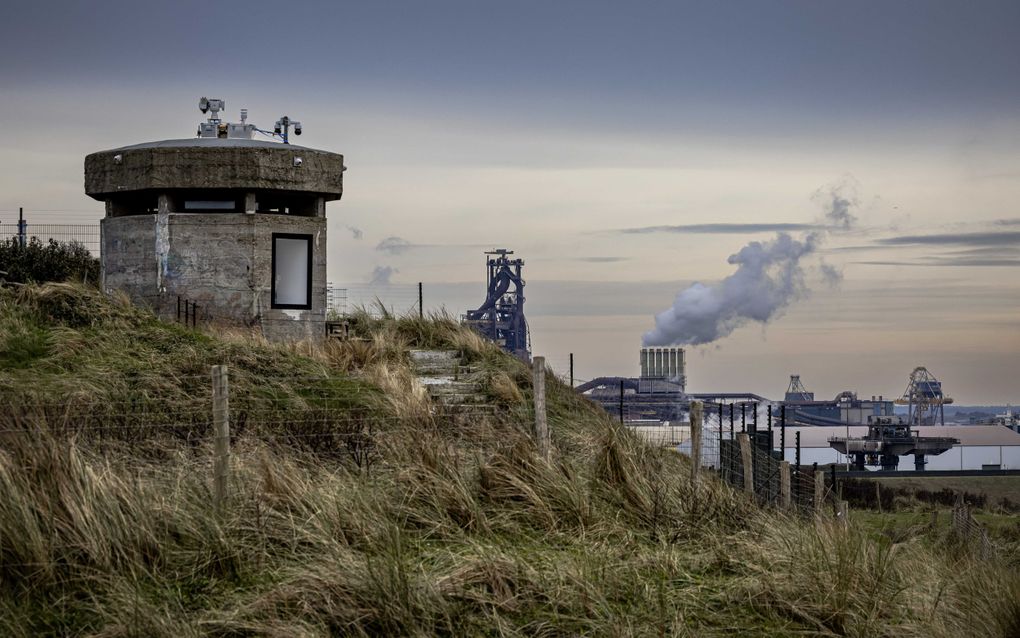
x: 230, y: 224
x: 501, y: 316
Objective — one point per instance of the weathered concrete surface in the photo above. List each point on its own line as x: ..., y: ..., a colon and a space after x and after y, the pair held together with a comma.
x: 214, y: 164
x: 222, y: 262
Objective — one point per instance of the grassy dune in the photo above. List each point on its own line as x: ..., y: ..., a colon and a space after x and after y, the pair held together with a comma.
x: 454, y: 527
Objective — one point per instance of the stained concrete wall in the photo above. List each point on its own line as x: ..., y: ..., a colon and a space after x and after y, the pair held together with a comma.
x: 221, y: 261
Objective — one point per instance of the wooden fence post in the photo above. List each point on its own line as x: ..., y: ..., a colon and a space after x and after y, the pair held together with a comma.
x: 541, y: 424
x: 221, y: 432
x: 697, y: 416
x: 784, y: 483
x: 745, y: 460
x: 819, y: 490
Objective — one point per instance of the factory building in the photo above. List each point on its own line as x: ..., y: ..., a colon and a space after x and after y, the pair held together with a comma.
x: 846, y: 408
x: 657, y: 395
x: 233, y: 227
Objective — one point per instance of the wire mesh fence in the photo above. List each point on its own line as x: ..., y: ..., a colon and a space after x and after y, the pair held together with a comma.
x: 377, y: 300
x: 84, y: 234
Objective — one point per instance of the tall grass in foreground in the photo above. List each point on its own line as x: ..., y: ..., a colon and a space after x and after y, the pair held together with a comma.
x: 443, y: 546
x: 450, y: 531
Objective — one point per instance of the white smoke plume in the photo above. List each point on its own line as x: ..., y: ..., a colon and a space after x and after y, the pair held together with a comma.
x: 768, y: 278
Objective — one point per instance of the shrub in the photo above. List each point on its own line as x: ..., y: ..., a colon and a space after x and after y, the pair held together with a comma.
x: 53, y: 261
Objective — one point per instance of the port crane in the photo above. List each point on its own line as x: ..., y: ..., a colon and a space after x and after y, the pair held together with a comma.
x: 925, y: 399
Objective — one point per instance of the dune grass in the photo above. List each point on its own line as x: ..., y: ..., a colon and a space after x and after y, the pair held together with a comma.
x: 456, y: 527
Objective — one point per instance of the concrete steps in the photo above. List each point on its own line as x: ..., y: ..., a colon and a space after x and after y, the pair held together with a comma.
x: 451, y: 384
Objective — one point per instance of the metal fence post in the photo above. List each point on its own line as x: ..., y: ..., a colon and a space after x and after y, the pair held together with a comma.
x: 571, y: 369
x: 22, y: 228
x: 221, y: 431
x: 731, y: 422
x: 621, y: 401
x: 541, y: 424
x: 782, y: 431
x: 421, y: 308
x: 697, y: 415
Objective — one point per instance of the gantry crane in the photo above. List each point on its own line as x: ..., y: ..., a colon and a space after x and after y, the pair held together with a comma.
x: 925, y: 398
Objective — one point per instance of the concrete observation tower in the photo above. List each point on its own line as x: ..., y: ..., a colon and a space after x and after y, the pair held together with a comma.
x: 230, y: 223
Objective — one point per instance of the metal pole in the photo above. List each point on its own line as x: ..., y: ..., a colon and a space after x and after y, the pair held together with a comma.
x: 696, y: 419
x: 782, y: 430
x: 571, y: 369
x: 621, y: 401
x: 772, y: 446
x: 731, y: 421
x: 421, y: 309
x: 194, y: 314
x: 743, y: 418
x: 719, y: 440
x: 22, y: 228
x: 796, y: 466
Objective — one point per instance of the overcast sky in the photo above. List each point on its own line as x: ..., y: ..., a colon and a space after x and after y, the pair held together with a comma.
x: 625, y: 150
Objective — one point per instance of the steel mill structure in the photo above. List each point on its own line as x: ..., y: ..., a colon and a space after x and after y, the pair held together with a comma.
x: 501, y: 317
x: 233, y: 227
x: 845, y: 409
x: 924, y: 399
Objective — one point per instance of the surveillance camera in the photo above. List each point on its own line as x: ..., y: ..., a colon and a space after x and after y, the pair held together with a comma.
x: 298, y: 161
x: 203, y: 104
x: 277, y: 127
x: 297, y: 128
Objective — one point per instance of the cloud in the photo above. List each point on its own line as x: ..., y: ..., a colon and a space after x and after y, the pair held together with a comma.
x: 602, y: 260
x: 984, y: 239
x: 951, y: 261
x: 356, y: 232
x: 394, y: 246
x: 381, y: 275
x: 720, y: 229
